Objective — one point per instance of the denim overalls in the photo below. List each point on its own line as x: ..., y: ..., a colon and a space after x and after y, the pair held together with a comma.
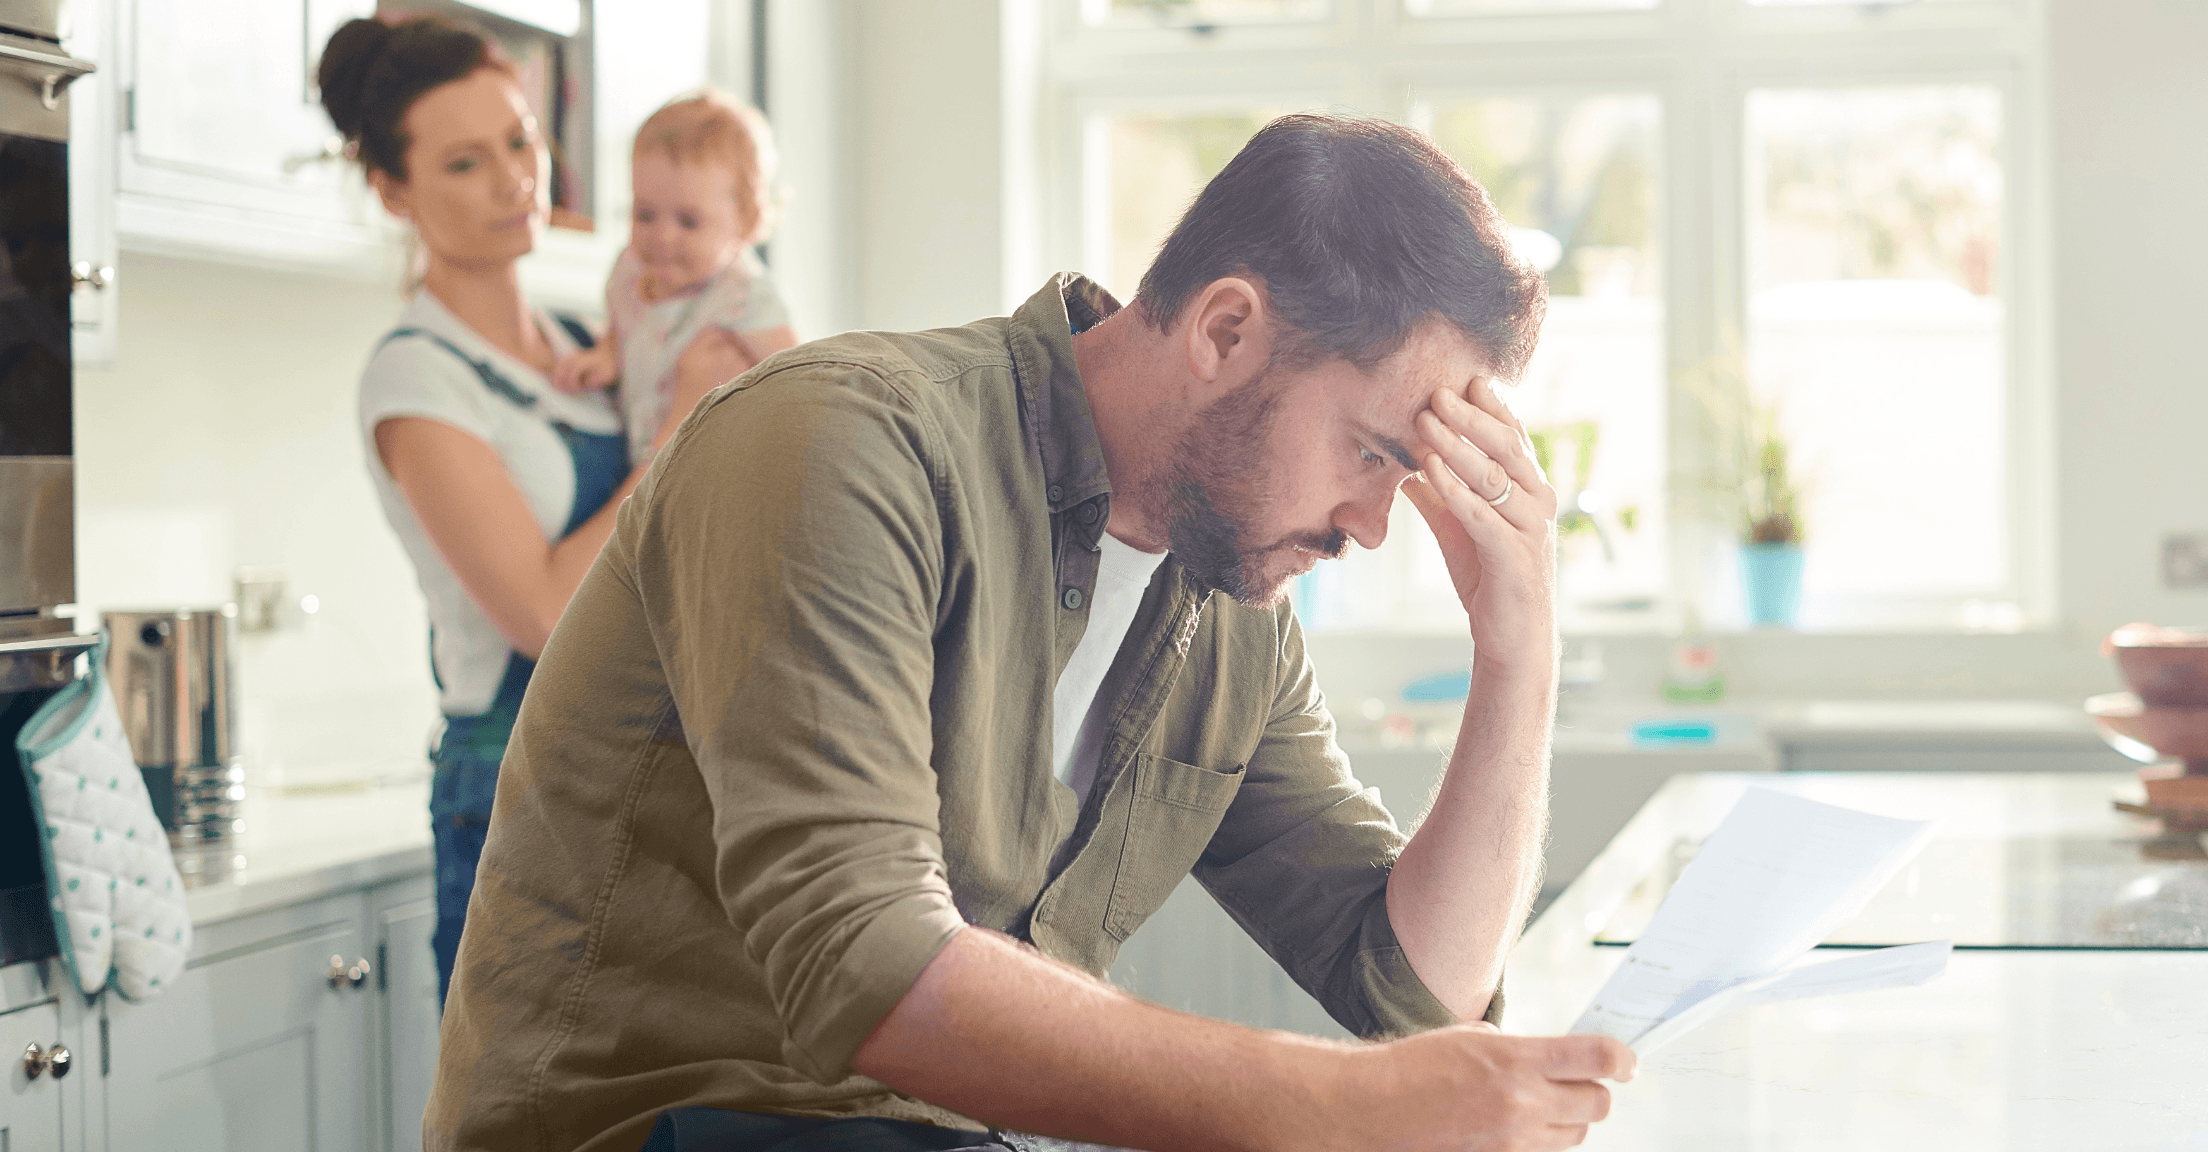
x: 467, y: 754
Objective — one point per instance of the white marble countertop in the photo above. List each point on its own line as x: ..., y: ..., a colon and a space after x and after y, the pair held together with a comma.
x: 300, y: 845
x: 2009, y: 1049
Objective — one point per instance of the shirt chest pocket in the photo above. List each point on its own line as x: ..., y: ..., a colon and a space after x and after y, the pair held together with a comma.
x: 1176, y: 809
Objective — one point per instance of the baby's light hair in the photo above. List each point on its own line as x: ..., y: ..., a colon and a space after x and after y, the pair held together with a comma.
x: 709, y: 127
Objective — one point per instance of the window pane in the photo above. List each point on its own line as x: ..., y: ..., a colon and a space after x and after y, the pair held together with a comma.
x: 1875, y: 329
x: 1154, y: 166
x: 1199, y: 13
x: 1576, y: 177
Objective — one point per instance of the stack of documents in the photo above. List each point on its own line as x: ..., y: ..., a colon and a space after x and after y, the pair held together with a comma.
x: 1778, y: 876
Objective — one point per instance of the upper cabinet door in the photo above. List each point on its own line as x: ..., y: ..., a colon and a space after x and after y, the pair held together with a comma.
x: 224, y: 142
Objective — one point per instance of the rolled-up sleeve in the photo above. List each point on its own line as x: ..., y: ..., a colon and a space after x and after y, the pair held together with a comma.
x: 1302, y: 863
x: 788, y: 552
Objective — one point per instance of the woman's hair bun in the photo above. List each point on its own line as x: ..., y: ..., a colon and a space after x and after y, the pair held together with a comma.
x: 372, y: 71
x: 343, y: 74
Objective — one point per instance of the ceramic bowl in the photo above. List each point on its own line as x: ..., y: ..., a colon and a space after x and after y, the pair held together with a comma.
x: 2141, y: 732
x: 2167, y: 667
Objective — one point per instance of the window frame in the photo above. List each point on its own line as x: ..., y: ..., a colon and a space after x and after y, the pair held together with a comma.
x: 1700, y: 59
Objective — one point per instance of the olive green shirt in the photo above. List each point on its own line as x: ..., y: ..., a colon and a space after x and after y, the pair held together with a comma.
x: 793, y: 732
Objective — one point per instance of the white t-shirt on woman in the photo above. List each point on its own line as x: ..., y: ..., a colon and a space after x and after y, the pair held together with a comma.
x: 416, y: 376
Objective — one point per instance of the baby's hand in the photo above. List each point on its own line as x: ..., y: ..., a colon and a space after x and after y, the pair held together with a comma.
x: 591, y: 368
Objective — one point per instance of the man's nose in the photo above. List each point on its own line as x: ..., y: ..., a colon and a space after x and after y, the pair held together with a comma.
x: 1366, y: 520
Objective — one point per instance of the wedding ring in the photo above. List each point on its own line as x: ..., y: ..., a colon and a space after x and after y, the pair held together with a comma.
x: 1509, y: 486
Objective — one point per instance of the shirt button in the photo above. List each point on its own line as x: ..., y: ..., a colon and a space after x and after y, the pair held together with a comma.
x: 1072, y: 599
x: 1086, y: 513
x: 1056, y: 493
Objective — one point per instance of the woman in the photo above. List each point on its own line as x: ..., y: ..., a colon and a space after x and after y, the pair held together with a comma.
x: 501, y: 487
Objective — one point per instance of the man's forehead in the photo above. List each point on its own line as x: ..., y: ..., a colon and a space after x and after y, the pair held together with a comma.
x: 1435, y: 356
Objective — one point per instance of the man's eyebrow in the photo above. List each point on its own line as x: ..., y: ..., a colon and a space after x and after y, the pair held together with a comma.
x: 1393, y: 447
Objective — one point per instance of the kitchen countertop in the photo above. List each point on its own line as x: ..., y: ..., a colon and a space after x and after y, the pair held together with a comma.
x: 2053, y: 1049
x: 296, y: 846
x: 292, y: 847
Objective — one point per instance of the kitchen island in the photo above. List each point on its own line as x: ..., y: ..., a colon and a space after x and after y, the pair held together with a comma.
x: 2032, y: 1045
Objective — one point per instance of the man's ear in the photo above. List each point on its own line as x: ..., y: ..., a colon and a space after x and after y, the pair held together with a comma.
x: 1229, y: 334
x: 391, y: 192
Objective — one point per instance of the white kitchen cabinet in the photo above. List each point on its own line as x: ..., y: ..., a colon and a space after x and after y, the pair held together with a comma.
x: 45, y: 1112
x: 224, y: 150
x: 260, y: 1045
x: 93, y: 119
x: 404, y: 916
x: 31, y: 1108
x: 206, y: 139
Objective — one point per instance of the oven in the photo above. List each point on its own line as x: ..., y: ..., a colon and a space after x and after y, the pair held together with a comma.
x: 39, y: 648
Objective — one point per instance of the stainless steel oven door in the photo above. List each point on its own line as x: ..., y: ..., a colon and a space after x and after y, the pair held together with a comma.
x: 37, y: 546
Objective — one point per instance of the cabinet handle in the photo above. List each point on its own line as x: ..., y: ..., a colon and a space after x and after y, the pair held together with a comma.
x: 58, y: 1060
x: 343, y: 975
x: 84, y: 274
x: 34, y: 1062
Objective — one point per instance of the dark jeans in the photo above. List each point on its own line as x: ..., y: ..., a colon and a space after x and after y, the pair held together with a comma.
x: 721, y: 1130
x: 458, y: 845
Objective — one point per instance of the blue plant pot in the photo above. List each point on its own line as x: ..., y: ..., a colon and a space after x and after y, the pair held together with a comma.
x: 1771, y: 575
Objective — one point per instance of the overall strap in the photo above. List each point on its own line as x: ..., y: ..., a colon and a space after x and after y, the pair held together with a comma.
x: 492, y: 378
x: 576, y: 330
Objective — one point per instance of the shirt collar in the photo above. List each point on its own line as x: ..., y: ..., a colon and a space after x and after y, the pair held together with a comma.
x: 1061, y: 427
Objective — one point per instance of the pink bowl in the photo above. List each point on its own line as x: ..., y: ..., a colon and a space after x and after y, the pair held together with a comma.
x: 2167, y: 667
x: 2176, y: 733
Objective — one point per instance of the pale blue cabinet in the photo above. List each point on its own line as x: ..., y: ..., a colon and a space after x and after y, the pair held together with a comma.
x: 30, y: 1106
x: 262, y: 1045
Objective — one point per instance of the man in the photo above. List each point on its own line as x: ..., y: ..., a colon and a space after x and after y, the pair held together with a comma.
x: 923, y: 666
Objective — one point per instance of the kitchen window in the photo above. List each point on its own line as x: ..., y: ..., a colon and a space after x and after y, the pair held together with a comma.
x: 1828, y: 208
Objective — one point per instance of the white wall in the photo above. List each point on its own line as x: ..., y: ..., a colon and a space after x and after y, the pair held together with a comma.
x: 224, y: 435
x: 2131, y: 414
x: 812, y: 102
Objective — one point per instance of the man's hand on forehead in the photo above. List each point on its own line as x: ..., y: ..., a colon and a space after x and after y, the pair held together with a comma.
x: 1474, y: 414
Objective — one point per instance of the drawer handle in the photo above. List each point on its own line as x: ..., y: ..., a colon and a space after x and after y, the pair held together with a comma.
x: 35, y: 1061
x: 343, y: 975
x: 58, y: 1061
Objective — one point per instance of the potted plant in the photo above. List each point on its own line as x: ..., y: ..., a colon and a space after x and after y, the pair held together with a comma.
x: 1771, y: 529
x: 1753, y: 478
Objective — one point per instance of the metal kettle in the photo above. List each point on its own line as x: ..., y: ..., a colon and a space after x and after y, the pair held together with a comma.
x: 170, y: 670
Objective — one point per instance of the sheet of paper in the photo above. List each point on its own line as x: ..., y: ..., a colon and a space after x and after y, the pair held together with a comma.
x: 1778, y: 876
x: 1905, y: 966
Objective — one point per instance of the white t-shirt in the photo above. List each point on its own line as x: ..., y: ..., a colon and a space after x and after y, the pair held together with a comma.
x: 415, y: 376
x: 1077, y: 736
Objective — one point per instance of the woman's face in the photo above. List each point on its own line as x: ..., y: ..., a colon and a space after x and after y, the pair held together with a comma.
x: 477, y: 186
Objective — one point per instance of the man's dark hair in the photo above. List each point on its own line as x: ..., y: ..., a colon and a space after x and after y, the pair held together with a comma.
x: 1360, y: 231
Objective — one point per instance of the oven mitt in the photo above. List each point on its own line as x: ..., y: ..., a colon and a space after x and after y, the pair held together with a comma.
x: 118, y: 905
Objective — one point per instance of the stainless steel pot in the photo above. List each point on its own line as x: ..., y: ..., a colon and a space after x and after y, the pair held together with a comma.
x: 170, y: 670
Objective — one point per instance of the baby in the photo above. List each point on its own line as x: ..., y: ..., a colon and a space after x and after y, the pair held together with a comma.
x: 688, y: 285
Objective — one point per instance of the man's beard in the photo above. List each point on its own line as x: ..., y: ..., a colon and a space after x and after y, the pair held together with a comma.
x: 1213, y: 499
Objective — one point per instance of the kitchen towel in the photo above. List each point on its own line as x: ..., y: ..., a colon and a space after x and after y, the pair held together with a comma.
x: 119, y: 909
